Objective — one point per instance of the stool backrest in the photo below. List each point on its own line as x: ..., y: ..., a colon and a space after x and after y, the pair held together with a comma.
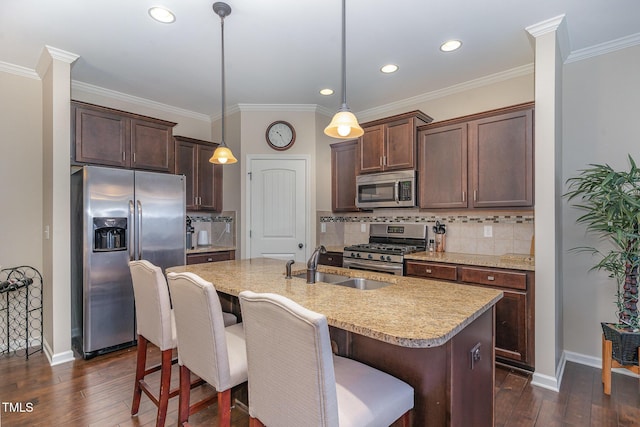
x: 153, y: 304
x: 291, y: 373
x: 202, y: 345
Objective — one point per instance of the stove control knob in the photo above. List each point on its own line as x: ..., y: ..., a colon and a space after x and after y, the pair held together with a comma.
x: 388, y: 258
x: 358, y: 255
x: 370, y: 256
x: 382, y: 257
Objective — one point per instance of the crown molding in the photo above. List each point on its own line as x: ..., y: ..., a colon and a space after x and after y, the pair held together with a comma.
x: 18, y: 70
x: 97, y: 90
x: 441, y: 93
x: 546, y: 26
x: 603, y: 48
x: 49, y: 54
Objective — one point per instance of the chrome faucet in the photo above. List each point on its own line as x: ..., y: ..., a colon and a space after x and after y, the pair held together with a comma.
x: 288, y: 268
x: 312, y: 264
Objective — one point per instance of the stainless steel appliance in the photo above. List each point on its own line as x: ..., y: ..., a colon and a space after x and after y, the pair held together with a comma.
x: 118, y: 215
x: 388, y: 244
x: 386, y: 190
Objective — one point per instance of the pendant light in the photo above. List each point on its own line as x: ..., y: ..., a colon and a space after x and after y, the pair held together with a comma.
x: 222, y: 155
x: 344, y: 124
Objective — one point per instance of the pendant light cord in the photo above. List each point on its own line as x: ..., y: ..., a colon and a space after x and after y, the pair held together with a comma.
x: 223, y: 81
x: 344, y: 54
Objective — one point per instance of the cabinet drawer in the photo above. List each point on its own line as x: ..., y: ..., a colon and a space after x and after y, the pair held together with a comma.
x: 432, y: 271
x: 504, y: 279
x: 331, y: 258
x: 210, y: 257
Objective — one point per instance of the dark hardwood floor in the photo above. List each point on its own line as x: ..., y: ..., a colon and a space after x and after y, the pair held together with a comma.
x: 98, y: 392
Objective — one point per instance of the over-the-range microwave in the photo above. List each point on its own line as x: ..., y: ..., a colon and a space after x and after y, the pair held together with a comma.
x: 386, y: 190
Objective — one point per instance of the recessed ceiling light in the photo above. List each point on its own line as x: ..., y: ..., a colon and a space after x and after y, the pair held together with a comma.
x: 389, y: 68
x: 450, y: 45
x: 162, y: 14
x: 326, y: 92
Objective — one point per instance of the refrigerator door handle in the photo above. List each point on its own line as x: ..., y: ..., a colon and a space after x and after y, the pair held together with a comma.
x: 131, y: 222
x: 139, y: 228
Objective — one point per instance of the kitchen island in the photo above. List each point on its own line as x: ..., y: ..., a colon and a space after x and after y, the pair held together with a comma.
x: 436, y: 336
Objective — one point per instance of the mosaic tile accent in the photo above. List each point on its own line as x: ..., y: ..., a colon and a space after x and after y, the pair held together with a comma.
x: 448, y: 219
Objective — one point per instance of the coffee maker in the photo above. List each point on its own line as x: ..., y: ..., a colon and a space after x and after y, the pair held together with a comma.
x: 190, y: 231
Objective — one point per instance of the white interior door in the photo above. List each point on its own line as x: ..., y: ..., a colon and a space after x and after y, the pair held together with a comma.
x: 278, y: 208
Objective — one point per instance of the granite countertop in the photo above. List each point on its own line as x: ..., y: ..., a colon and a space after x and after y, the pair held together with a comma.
x: 510, y: 261
x: 411, y: 312
x: 209, y: 248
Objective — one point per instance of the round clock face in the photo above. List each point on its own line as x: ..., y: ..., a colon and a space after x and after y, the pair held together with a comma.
x: 280, y: 135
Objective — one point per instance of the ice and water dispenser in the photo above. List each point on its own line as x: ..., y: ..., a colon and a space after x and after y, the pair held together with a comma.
x: 109, y: 234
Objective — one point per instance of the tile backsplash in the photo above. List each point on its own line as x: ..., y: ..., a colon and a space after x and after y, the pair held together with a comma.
x: 472, y: 234
x: 221, y: 228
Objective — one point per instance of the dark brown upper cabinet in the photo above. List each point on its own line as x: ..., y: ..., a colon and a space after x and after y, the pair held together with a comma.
x: 390, y: 143
x: 344, y: 168
x: 203, y: 180
x: 479, y: 161
x: 109, y: 137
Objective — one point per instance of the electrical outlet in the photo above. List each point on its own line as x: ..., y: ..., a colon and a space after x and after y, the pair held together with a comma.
x: 488, y: 231
x: 363, y: 228
x: 46, y: 232
x: 227, y: 228
x: 323, y: 227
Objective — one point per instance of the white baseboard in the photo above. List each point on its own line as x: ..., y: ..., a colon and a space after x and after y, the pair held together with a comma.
x: 57, y: 359
x: 550, y: 382
x: 595, y: 362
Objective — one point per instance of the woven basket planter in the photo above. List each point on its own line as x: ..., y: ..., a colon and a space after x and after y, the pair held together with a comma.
x: 624, y: 344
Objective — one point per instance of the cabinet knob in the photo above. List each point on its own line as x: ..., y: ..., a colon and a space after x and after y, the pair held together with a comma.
x: 428, y: 270
x: 209, y: 259
x: 491, y: 278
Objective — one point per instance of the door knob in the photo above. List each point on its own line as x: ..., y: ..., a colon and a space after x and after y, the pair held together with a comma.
x: 300, y: 245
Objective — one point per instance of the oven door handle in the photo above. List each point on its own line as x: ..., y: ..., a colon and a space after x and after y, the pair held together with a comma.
x: 378, y: 267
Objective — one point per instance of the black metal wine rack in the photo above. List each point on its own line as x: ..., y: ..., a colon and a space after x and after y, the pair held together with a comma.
x: 20, y: 311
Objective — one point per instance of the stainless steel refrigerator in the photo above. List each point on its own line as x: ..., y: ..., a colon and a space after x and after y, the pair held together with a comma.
x: 118, y: 215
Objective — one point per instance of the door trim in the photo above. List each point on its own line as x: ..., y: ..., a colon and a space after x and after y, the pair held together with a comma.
x: 307, y: 205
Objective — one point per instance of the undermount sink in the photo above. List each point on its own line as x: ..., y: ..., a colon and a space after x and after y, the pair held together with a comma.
x: 350, y: 282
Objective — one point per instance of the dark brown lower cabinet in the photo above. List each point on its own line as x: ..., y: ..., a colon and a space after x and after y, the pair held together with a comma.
x: 203, y: 257
x: 331, y: 258
x: 515, y: 321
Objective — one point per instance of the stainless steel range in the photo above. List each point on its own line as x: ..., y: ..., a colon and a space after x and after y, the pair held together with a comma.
x: 388, y: 244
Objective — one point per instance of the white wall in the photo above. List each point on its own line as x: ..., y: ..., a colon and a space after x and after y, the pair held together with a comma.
x: 21, y: 171
x: 601, y: 109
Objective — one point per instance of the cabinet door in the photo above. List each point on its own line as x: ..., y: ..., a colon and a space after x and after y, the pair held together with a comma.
x: 400, y: 145
x: 442, y: 167
x: 331, y: 258
x: 344, y: 163
x: 102, y: 137
x: 511, y: 326
x: 151, y: 146
x: 372, y: 149
x: 209, y: 187
x: 185, y: 158
x: 501, y: 151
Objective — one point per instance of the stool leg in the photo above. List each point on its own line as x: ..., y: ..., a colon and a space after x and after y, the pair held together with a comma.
x: 185, y: 391
x: 224, y: 408
x: 140, y: 368
x: 165, y: 387
x: 606, y: 366
x: 406, y: 419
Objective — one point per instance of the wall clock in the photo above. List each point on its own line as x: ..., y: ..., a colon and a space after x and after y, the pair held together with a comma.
x: 280, y: 135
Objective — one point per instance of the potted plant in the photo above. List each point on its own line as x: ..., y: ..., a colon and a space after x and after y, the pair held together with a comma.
x: 611, y: 201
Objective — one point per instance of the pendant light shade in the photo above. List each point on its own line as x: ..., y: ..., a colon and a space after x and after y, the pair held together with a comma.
x: 222, y: 155
x: 344, y: 124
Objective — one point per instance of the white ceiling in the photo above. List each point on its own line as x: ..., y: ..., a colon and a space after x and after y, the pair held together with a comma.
x: 285, y: 51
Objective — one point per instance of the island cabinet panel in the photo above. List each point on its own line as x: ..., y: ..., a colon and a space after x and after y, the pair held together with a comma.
x: 344, y: 168
x: 514, y: 335
x: 479, y: 161
x: 203, y: 179
x: 331, y: 258
x: 453, y: 383
x: 199, y: 258
x: 109, y: 137
x: 390, y: 144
